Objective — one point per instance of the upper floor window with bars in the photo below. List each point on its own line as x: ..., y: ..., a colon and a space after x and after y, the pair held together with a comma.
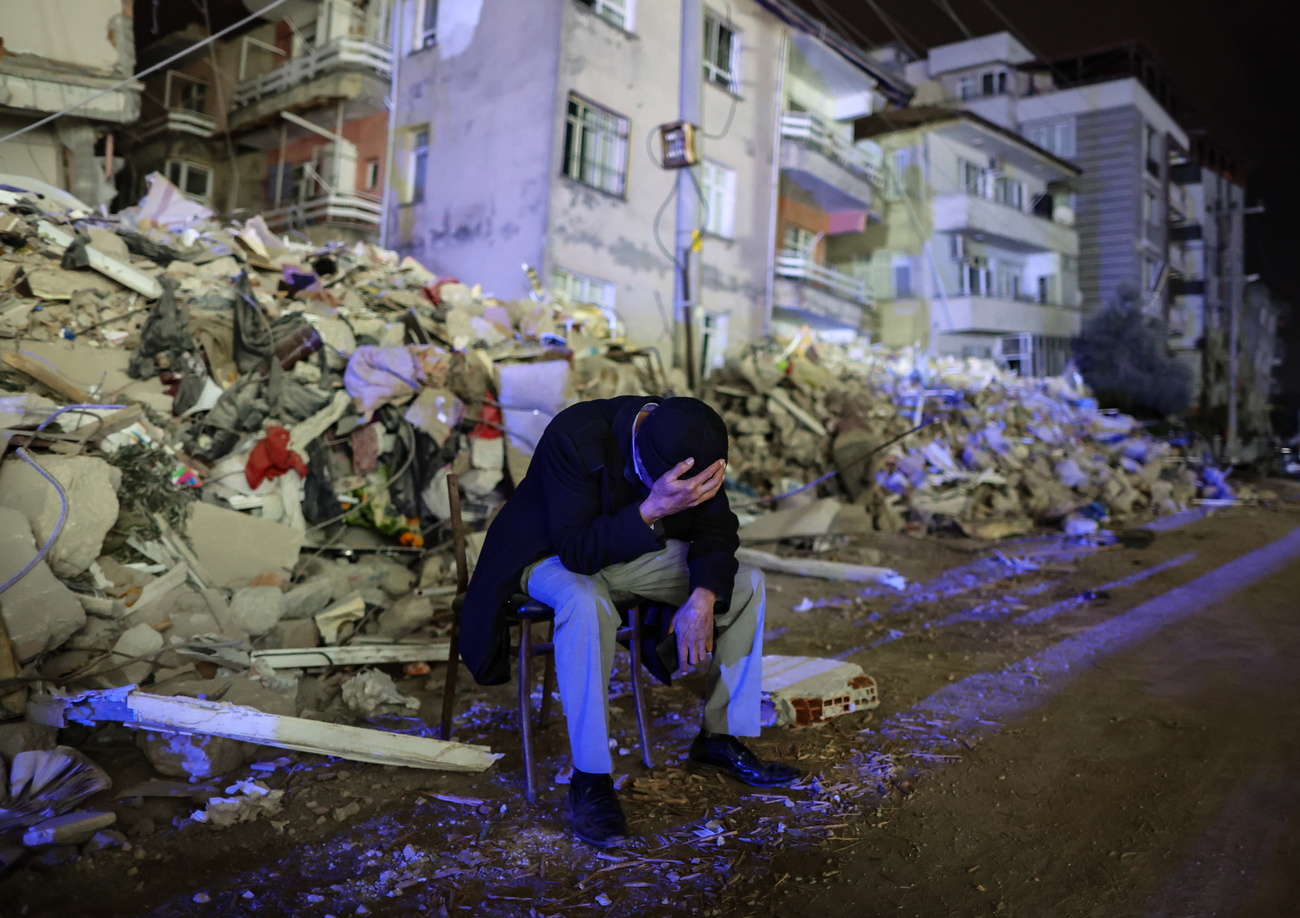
x: 721, y: 53
x: 595, y: 146
x: 617, y: 12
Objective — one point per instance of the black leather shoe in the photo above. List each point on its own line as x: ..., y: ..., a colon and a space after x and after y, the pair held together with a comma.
x: 714, y: 753
x: 597, y: 817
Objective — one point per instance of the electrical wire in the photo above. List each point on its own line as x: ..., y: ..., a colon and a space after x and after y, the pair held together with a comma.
x: 145, y: 72
x: 63, y: 496
x: 833, y: 472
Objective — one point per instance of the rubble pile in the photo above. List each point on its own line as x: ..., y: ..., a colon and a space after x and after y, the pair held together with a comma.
x: 941, y: 442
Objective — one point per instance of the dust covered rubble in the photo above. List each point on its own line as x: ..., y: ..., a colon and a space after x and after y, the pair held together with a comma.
x: 974, y: 447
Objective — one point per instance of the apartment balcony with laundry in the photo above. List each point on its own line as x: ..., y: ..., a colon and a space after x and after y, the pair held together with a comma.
x: 343, y: 56
x: 177, y: 104
x: 817, y: 294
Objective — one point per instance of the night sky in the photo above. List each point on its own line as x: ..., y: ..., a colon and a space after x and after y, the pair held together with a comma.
x: 1232, y: 60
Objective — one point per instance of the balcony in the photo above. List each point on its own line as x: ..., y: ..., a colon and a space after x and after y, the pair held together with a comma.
x: 838, y: 175
x: 340, y: 208
x: 351, y: 53
x: 179, y: 121
x: 1007, y: 226
x: 995, y: 315
x: 820, y: 295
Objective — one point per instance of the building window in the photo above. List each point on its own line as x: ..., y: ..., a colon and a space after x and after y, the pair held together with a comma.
x: 966, y: 88
x: 417, y: 178
x: 721, y: 54
x: 993, y: 83
x: 193, y: 97
x: 718, y: 188
x: 972, y: 177
x: 618, y: 12
x: 976, y: 278
x: 1056, y: 138
x: 372, y: 172
x: 1150, y: 209
x: 799, y: 240
x: 595, y: 146
x: 193, y: 180
x: 902, y: 277
x: 582, y: 288
x: 1009, y: 192
x: 426, y: 35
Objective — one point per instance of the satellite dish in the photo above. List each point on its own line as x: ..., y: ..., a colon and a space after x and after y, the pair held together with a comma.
x: 290, y: 9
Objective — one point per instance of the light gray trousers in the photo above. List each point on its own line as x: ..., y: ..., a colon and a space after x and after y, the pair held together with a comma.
x: 586, y: 621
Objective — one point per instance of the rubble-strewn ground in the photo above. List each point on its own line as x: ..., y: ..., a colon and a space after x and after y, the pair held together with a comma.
x: 1159, y: 780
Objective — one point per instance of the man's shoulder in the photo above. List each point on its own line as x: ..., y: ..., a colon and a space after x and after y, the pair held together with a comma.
x: 592, y: 418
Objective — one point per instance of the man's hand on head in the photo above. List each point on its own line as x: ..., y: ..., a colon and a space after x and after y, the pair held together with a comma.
x: 693, y: 625
x: 672, y: 494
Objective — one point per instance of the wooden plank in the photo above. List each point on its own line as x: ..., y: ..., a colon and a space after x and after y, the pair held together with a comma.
x: 826, y: 570
x: 110, y: 267
x: 354, y: 655
x: 197, y: 717
x: 51, y: 378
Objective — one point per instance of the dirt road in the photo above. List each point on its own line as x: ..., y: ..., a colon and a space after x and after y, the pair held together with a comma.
x: 1065, y: 730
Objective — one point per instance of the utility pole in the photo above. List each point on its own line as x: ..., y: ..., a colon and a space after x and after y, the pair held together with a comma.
x: 686, y: 283
x: 1236, y: 295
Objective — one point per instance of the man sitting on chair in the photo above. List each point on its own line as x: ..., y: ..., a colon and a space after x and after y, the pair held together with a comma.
x: 624, y: 497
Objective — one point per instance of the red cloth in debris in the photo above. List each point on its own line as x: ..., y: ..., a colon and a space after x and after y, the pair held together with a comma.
x: 272, y: 457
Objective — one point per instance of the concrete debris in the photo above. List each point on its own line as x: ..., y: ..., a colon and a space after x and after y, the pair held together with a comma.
x: 995, y: 455
x: 248, y: 800
x: 91, y: 485
x: 808, y: 691
x: 371, y: 691
x: 40, y: 613
x: 258, y: 609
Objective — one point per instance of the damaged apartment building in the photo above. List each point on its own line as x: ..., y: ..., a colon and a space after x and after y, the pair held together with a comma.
x: 55, y: 54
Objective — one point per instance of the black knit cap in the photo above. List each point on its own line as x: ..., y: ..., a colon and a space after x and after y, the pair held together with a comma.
x: 681, y: 428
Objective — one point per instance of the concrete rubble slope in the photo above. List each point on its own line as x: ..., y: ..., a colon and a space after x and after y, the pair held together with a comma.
x: 254, y: 437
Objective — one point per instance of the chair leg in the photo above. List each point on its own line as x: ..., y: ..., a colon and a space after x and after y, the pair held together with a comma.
x: 449, y: 681
x: 638, y: 697
x: 526, y: 708
x: 548, y: 681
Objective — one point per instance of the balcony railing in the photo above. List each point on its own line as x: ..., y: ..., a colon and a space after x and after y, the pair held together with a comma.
x: 351, y: 52
x: 348, y: 207
x: 798, y: 266
x: 179, y: 121
x: 816, y: 133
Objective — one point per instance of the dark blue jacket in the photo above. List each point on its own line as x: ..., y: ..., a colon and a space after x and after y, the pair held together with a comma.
x: 580, y: 500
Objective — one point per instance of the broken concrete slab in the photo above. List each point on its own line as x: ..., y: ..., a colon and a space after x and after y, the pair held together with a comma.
x: 24, y: 736
x: 405, y: 615
x: 141, y: 644
x: 191, y: 716
x: 40, y: 613
x: 91, y: 485
x: 258, y: 609
x: 808, y: 691
x: 234, y: 547
x: 308, y: 598
x: 354, y: 655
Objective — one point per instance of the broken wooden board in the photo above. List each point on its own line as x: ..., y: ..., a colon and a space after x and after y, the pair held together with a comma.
x: 354, y: 655
x: 805, y: 691
x: 194, y: 716
x: 112, y: 268
x: 52, y: 379
x: 825, y: 570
